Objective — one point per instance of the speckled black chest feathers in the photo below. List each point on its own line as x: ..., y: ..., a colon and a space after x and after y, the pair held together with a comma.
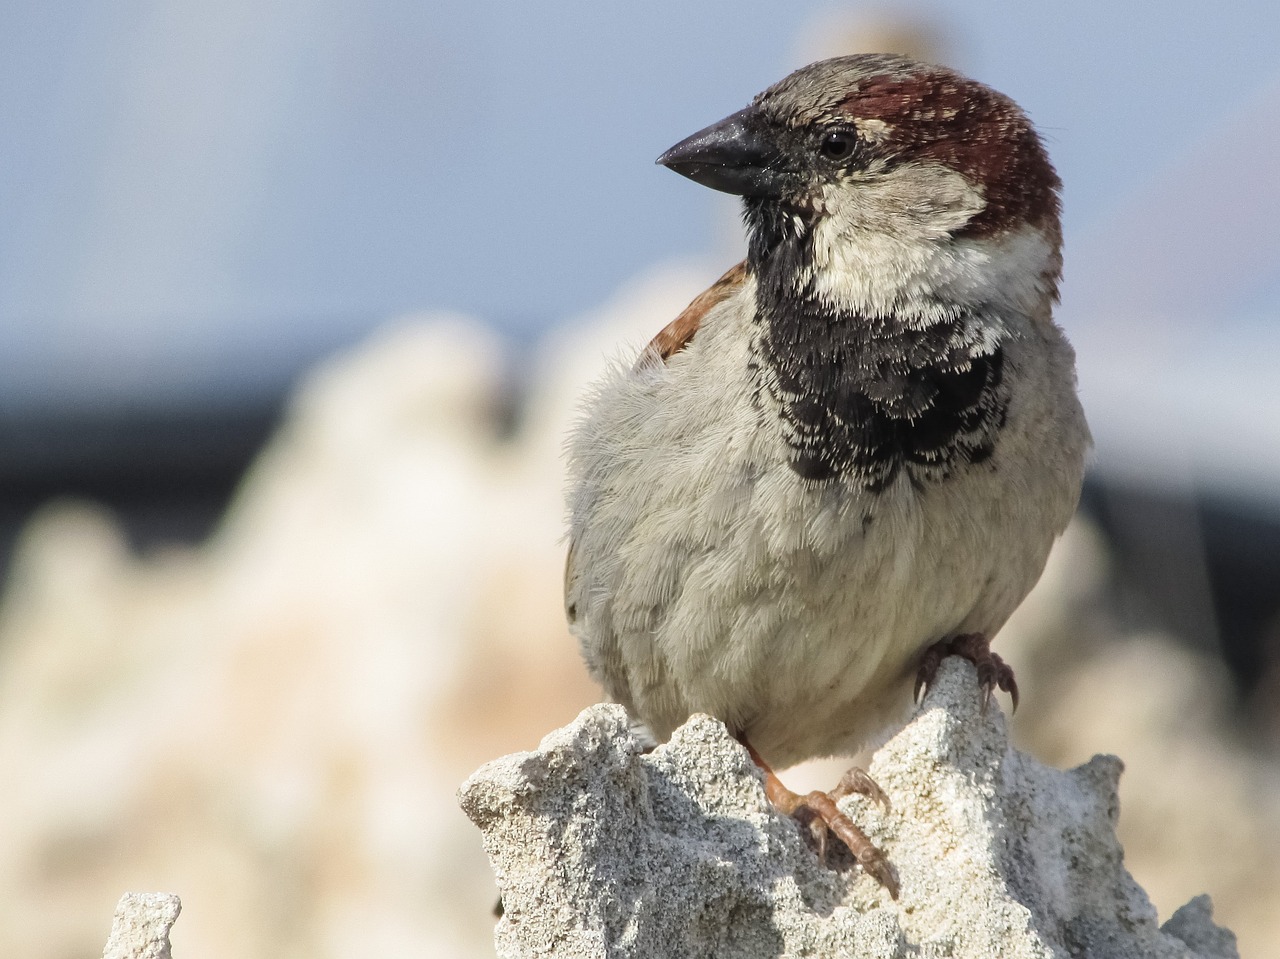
x: 867, y: 398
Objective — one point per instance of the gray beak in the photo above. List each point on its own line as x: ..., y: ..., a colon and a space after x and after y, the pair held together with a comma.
x: 728, y: 156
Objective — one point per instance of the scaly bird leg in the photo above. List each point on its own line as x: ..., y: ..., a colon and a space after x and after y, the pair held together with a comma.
x: 819, y: 809
x: 993, y: 672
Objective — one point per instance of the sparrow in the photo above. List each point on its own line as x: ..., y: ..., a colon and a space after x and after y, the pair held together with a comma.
x: 850, y: 455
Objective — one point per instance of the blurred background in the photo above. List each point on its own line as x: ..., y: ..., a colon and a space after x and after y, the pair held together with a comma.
x: 296, y: 302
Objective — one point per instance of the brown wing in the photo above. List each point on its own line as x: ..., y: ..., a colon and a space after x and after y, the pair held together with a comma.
x: 675, y: 336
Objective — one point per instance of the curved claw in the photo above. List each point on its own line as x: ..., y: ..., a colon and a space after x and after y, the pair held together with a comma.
x: 857, y: 780
x: 874, y: 863
x: 929, y: 664
x: 1005, y: 680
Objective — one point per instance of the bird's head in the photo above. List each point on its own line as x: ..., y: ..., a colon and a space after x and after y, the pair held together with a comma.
x: 874, y: 180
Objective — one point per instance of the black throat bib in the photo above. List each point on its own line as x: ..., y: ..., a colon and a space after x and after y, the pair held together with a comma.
x: 865, y: 397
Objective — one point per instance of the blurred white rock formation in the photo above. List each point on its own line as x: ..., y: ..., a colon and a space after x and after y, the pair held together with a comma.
x: 273, y: 725
x: 601, y: 850
x: 140, y: 928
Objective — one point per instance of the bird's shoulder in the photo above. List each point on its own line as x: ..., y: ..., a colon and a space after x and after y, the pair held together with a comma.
x: 679, y: 333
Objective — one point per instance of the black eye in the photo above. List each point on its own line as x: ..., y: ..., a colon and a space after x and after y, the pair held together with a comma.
x: 838, y: 144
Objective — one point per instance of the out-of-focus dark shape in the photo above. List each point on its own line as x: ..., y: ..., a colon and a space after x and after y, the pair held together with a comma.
x: 167, y: 474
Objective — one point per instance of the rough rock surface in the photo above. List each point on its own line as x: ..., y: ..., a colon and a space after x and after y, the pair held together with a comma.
x: 140, y: 929
x: 601, y: 850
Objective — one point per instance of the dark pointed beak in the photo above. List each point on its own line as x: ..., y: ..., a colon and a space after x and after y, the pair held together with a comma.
x: 729, y: 156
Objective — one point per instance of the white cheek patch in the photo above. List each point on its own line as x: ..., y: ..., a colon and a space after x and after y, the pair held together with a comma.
x: 885, y: 243
x: 917, y: 201
x: 880, y: 274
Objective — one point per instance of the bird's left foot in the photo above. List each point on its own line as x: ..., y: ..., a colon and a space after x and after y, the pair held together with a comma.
x: 993, y: 672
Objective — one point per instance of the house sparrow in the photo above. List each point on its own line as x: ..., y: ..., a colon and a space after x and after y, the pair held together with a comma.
x: 849, y: 456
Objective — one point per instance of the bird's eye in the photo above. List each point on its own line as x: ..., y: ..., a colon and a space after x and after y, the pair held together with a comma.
x: 838, y: 144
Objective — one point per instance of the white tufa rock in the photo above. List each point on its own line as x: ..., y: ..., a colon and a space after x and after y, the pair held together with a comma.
x: 602, y: 850
x: 140, y: 929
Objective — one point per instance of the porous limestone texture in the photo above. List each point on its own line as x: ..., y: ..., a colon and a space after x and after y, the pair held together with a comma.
x: 602, y: 850
x: 140, y: 929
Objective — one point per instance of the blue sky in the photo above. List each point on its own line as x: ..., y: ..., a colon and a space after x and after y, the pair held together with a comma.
x: 254, y: 179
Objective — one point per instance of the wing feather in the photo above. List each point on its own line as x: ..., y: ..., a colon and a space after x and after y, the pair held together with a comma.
x: 678, y: 334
